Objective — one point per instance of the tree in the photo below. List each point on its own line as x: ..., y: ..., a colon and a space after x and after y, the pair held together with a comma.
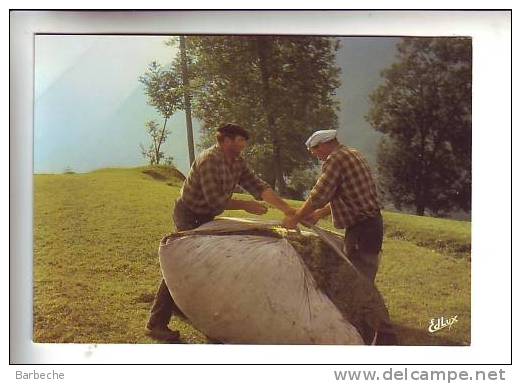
x: 153, y: 152
x: 280, y: 87
x: 163, y: 88
x: 424, y: 110
x: 301, y: 181
x: 180, y: 65
x: 186, y: 95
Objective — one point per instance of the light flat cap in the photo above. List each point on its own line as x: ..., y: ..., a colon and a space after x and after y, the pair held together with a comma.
x: 322, y: 136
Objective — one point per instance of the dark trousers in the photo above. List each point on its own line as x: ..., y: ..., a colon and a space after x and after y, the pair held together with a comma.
x: 164, y: 306
x: 363, y: 243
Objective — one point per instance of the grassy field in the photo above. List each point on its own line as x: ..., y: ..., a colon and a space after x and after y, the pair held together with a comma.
x: 96, y: 267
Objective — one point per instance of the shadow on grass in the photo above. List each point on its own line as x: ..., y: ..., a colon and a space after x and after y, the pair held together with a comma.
x: 163, y: 173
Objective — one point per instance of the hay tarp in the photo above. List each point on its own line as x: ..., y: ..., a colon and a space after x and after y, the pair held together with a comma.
x: 245, y: 281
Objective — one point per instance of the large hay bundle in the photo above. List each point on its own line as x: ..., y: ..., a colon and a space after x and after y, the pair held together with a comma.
x: 247, y: 282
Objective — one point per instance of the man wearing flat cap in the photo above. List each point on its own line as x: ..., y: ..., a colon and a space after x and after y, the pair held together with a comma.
x: 206, y: 193
x: 346, y: 190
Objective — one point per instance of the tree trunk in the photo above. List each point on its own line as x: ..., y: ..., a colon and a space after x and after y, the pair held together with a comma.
x: 270, y: 179
x: 160, y: 141
x: 421, y: 180
x: 420, y: 191
x: 264, y: 50
x: 187, y: 103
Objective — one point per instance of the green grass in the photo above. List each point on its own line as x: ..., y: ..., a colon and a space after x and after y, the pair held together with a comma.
x: 96, y: 267
x: 447, y: 236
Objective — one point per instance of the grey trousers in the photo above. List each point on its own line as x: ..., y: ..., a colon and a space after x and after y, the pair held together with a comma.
x: 164, y: 306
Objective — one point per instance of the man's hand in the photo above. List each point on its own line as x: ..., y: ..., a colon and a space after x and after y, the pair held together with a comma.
x: 276, y: 201
x: 314, y: 217
x: 290, y: 211
x: 255, y: 208
x: 290, y: 222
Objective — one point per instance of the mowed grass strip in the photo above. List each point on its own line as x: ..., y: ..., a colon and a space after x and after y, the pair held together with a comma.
x: 96, y: 267
x: 451, y: 237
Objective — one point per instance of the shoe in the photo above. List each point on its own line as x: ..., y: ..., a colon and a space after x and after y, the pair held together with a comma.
x: 163, y: 334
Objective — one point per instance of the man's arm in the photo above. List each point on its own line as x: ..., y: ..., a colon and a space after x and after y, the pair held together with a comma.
x: 246, y: 205
x: 318, y: 214
x: 259, y: 189
x: 320, y: 196
x: 291, y: 221
x: 306, y: 213
x: 270, y: 197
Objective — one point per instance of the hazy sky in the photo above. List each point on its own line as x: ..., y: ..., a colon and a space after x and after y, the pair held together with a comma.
x: 90, y: 109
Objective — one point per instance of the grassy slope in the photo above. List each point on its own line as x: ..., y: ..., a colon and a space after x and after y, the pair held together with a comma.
x: 96, y: 267
x: 447, y: 236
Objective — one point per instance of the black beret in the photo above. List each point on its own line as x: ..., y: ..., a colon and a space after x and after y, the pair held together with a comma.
x: 232, y: 130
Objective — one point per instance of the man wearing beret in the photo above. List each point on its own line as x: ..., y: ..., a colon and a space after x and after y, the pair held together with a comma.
x: 347, y: 191
x: 206, y: 193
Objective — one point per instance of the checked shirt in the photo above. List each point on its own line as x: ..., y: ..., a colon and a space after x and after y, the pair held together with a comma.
x: 347, y: 184
x: 212, y: 180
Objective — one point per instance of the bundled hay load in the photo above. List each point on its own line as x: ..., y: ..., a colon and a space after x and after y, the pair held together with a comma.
x: 248, y: 282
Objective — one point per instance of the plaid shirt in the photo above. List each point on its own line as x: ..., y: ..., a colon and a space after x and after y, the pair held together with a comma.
x: 346, y: 182
x: 212, y: 180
